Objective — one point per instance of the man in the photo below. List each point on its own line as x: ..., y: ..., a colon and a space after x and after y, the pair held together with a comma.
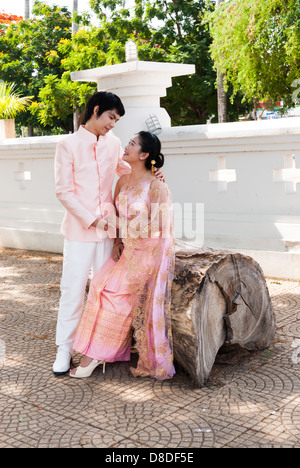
x: 85, y: 166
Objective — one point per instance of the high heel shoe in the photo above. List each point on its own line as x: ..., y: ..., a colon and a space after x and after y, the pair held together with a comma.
x: 85, y: 372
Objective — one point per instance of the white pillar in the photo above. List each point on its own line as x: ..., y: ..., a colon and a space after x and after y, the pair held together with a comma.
x: 140, y: 85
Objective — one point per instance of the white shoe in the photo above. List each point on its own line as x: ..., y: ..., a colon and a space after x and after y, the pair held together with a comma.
x: 62, y: 362
x: 84, y: 372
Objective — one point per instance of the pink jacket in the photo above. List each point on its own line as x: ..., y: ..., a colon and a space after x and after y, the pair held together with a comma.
x: 84, y: 174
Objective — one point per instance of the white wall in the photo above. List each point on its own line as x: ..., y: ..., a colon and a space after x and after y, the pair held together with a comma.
x: 253, y: 212
x: 30, y: 215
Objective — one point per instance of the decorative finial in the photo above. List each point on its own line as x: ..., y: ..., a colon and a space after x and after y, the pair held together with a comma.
x: 131, y: 51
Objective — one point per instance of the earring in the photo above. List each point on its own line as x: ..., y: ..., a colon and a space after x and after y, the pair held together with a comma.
x: 153, y: 162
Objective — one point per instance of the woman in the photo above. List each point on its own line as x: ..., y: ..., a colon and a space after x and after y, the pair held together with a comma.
x: 133, y: 288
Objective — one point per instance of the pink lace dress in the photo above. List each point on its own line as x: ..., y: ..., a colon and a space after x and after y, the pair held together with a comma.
x: 135, y: 293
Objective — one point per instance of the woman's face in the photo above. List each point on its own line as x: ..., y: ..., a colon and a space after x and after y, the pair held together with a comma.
x: 133, y: 151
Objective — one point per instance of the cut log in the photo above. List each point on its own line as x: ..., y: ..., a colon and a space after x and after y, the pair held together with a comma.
x: 218, y: 298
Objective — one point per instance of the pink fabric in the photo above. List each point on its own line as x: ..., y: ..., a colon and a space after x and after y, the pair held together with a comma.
x: 136, y: 291
x: 84, y: 173
x: 104, y: 332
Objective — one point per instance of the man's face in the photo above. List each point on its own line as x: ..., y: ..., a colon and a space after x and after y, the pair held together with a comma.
x: 106, y: 122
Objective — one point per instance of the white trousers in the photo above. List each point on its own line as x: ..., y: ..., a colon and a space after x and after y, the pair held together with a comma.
x: 79, y: 258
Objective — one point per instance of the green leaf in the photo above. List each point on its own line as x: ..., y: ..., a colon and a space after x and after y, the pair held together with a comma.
x: 11, y: 102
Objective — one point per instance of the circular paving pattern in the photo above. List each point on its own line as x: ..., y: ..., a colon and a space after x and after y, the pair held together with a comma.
x: 253, y: 403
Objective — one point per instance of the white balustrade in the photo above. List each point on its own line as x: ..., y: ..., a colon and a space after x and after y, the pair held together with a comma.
x: 242, y: 178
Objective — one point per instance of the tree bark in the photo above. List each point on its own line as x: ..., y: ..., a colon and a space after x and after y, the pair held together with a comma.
x: 222, y: 95
x: 75, y: 9
x: 26, y: 9
x: 222, y: 98
x: 75, y: 28
x: 218, y: 298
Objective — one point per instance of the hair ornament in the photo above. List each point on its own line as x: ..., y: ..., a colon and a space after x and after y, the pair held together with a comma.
x: 153, y: 162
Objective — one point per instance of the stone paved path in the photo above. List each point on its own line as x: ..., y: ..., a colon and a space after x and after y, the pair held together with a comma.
x: 253, y: 403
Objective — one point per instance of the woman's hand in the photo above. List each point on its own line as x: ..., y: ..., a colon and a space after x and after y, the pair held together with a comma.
x: 117, y: 251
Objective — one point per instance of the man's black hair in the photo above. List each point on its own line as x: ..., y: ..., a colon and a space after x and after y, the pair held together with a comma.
x: 106, y: 101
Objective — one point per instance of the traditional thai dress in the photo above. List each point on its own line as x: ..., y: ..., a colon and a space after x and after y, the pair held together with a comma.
x: 134, y: 293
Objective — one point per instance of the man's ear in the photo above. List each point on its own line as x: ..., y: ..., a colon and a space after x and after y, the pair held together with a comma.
x: 95, y: 112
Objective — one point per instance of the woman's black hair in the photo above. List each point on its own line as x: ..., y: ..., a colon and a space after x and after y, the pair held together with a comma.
x: 106, y: 101
x: 151, y: 144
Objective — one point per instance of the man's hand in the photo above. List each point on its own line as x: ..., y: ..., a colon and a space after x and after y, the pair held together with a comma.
x: 94, y: 224
x: 159, y: 174
x: 100, y: 223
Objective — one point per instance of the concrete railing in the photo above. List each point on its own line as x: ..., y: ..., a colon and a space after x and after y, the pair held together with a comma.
x: 238, y: 184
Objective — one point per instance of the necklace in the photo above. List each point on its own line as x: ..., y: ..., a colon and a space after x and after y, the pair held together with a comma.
x: 133, y: 186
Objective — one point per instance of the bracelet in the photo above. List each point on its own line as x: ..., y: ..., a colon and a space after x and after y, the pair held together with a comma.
x: 118, y: 243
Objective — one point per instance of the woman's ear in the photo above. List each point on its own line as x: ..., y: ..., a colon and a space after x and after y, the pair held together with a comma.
x: 144, y: 156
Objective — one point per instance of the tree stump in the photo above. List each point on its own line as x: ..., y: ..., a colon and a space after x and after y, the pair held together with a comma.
x: 218, y: 298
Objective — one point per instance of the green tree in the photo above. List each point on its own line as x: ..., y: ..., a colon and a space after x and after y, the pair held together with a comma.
x: 59, y: 96
x: 170, y: 31
x: 166, y: 32
x: 29, y: 52
x: 40, y: 54
x: 184, y: 39
x: 256, y: 43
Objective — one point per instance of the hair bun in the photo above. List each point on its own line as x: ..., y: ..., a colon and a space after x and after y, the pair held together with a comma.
x: 151, y: 144
x: 160, y: 160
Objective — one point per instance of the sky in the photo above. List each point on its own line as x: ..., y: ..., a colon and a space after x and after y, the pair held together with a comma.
x: 16, y: 7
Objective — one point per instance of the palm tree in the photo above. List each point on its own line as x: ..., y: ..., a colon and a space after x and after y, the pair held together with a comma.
x: 27, y: 9
x: 11, y: 102
x: 222, y: 95
x: 74, y: 31
x: 75, y: 9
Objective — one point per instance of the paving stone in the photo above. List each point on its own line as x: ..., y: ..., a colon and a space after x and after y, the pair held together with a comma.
x: 253, y: 403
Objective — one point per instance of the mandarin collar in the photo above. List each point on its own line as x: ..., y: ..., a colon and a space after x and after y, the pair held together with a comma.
x: 84, y: 133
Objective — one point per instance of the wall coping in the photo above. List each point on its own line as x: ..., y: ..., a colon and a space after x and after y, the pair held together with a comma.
x: 234, y: 130
x: 30, y: 142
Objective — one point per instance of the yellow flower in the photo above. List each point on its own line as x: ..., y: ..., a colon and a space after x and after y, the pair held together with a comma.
x: 64, y: 41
